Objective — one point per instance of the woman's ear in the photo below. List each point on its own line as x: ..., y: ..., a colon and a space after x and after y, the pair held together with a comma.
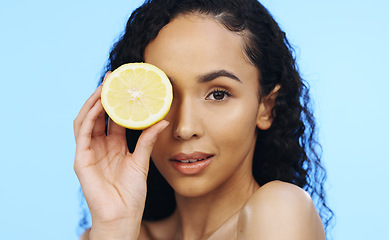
x: 265, y: 118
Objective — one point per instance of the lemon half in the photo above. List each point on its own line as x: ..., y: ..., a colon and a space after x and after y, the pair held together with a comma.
x: 137, y: 95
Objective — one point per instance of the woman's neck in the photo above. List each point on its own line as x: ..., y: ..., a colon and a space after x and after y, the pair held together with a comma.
x: 199, y: 217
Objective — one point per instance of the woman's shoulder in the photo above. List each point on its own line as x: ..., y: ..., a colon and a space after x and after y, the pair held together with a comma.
x: 280, y: 210
x: 277, y: 192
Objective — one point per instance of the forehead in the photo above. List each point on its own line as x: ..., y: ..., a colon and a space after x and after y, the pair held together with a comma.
x: 197, y: 39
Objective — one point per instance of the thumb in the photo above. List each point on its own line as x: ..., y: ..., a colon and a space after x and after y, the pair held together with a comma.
x: 146, y: 143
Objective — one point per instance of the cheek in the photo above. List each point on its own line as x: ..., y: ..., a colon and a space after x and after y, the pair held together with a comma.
x: 235, y: 127
x: 161, y: 145
x: 160, y: 154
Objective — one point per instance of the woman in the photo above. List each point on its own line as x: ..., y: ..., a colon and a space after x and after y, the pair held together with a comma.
x: 236, y: 150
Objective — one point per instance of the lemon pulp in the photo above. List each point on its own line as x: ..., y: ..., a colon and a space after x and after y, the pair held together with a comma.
x: 137, y: 95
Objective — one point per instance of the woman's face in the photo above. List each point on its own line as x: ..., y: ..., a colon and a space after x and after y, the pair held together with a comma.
x: 209, y: 143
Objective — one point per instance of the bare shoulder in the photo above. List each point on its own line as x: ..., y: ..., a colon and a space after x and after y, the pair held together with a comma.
x: 280, y: 210
x: 85, y: 235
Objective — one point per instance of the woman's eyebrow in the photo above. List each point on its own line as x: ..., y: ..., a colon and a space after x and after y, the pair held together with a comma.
x: 219, y: 73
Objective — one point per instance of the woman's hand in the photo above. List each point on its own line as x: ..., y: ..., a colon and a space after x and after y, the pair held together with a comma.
x: 112, y: 179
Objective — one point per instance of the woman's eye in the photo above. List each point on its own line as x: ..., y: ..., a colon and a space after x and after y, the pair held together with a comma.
x: 218, y: 95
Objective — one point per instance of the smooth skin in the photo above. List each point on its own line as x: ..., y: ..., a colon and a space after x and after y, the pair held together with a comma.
x: 213, y: 113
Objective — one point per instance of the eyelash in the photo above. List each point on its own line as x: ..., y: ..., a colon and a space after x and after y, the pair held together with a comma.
x: 219, y: 91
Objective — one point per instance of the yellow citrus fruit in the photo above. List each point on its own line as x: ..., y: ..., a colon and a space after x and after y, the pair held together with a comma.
x: 137, y: 95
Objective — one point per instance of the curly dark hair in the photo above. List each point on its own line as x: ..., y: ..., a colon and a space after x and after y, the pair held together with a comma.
x: 288, y: 150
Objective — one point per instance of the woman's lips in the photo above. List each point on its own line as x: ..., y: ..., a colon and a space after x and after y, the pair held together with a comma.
x: 191, y: 164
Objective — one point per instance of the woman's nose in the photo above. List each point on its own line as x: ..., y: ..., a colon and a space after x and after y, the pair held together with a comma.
x: 187, y: 123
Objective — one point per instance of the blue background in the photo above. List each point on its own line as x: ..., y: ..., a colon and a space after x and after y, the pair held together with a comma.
x: 52, y: 54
